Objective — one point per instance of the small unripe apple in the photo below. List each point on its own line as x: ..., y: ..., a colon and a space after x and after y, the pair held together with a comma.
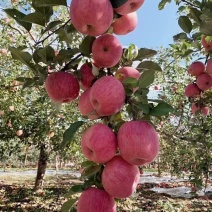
x: 87, y: 77
x: 207, y: 44
x: 119, y: 178
x: 196, y: 68
x: 204, y: 82
x: 99, y: 143
x: 125, y: 72
x: 95, y: 200
x: 192, y: 90
x: 85, y: 106
x: 129, y: 7
x: 62, y: 87
x: 138, y: 142
x: 205, y: 110
x: 19, y: 132
x: 106, y: 50
x: 194, y: 108
x: 209, y: 67
x: 91, y: 17
x: 107, y: 95
x: 125, y: 24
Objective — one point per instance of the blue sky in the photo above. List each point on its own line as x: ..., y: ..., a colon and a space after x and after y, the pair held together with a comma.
x: 156, y: 28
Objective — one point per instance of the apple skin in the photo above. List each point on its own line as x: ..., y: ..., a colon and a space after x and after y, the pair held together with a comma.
x: 91, y: 17
x: 95, y: 200
x: 62, y: 87
x: 209, y: 67
x: 19, y: 132
x: 3, y: 51
x: 125, y: 24
x: 85, y: 106
x: 156, y: 87
x: 87, y: 77
x: 127, y: 71
x: 129, y: 7
x: 106, y: 50
x: 138, y: 142
x: 196, y: 68
x: 194, y: 108
x: 192, y: 90
x: 207, y: 45
x: 204, y: 82
x: 205, y: 110
x: 99, y: 143
x: 119, y: 178
x: 107, y: 95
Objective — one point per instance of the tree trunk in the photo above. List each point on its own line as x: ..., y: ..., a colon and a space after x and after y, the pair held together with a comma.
x: 42, y: 164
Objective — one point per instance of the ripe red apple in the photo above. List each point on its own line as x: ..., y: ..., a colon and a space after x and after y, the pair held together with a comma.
x: 107, y: 95
x: 106, y: 50
x: 85, y: 106
x: 138, y: 142
x: 19, y: 132
x: 205, y: 110
x: 125, y: 72
x: 129, y: 7
x: 156, y: 87
x: 95, y: 200
x: 209, y: 67
x: 99, y: 143
x: 62, y: 87
x: 196, y: 68
x: 119, y: 178
x: 204, y: 82
x: 207, y: 45
x: 87, y: 76
x: 125, y: 24
x: 91, y: 17
x: 192, y: 90
x: 3, y: 51
x: 174, y: 88
x: 194, y: 108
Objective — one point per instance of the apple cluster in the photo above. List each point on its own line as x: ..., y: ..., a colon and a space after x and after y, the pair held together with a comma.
x: 136, y: 143
x: 202, y: 83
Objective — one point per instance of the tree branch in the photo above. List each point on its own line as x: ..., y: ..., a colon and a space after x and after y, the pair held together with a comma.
x: 189, y: 3
x: 67, y: 65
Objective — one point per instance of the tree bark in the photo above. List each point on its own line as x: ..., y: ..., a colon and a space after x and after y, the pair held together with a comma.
x: 42, y: 164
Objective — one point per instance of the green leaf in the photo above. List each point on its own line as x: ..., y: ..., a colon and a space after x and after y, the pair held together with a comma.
x: 66, y: 34
x: 163, y: 3
x: 66, y: 207
x: 148, y: 65
x: 130, y: 81
x: 162, y: 109
x: 47, y: 54
x: 35, y: 18
x: 87, y: 163
x: 145, y: 53
x: 86, y: 45
x: 195, y: 14
x: 117, y: 3
x: 70, y: 132
x: 185, y: 24
x: 144, y: 107
x: 49, y: 3
x: 146, y: 79
x: 76, y: 189
x: 91, y: 170
x: 180, y: 36
x: 18, y: 16
x: 51, y: 25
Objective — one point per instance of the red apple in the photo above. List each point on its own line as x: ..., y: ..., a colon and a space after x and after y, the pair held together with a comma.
x: 194, y: 108
x: 107, y: 95
x: 119, y: 178
x: 204, y: 82
x: 106, y: 50
x: 205, y: 110
x: 156, y: 87
x: 19, y: 132
x: 62, y: 87
x: 209, y: 67
x: 138, y: 142
x: 99, y: 143
x: 87, y: 76
x: 3, y: 51
x: 207, y: 45
x: 1, y: 112
x: 85, y: 106
x: 196, y: 68
x: 125, y: 24
x: 192, y: 90
x: 91, y: 17
x: 95, y: 200
x: 174, y: 88
x: 129, y: 7
x: 127, y: 71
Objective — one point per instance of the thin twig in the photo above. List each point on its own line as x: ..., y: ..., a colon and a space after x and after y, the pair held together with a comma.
x: 67, y: 65
x: 189, y: 3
